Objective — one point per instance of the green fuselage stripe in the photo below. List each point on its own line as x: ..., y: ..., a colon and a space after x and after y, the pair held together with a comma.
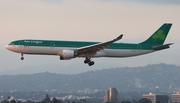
x: 77, y: 44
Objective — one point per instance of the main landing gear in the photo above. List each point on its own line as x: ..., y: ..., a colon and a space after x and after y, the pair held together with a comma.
x: 90, y: 63
x: 22, y: 58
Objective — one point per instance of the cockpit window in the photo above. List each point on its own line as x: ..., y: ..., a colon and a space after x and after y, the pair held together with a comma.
x: 11, y: 43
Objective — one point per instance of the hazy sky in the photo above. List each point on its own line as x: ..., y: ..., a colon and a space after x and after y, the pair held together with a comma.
x: 87, y: 20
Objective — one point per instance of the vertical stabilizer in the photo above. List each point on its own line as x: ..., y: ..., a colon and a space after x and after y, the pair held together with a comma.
x: 159, y: 36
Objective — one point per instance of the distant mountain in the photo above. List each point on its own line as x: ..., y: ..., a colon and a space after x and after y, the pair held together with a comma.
x: 157, y: 77
x: 59, y: 68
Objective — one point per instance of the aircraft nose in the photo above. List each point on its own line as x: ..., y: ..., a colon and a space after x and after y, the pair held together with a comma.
x: 7, y: 47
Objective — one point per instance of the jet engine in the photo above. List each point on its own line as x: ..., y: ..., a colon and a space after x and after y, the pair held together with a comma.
x: 67, y: 54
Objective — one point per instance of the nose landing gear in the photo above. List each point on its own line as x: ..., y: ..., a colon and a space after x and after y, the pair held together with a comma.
x: 22, y: 58
x: 89, y: 62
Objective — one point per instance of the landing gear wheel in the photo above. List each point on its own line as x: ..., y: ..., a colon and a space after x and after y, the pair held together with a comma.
x: 86, y: 61
x: 22, y: 58
x: 91, y: 63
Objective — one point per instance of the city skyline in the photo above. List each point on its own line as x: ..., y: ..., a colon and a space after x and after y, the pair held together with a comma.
x: 70, y: 97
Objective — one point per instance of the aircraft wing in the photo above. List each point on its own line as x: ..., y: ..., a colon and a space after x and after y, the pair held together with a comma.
x: 92, y: 49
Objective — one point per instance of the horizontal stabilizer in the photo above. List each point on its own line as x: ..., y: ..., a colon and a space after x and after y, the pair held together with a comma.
x: 162, y: 46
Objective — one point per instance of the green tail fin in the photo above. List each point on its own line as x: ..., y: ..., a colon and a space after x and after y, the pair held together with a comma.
x: 159, y: 36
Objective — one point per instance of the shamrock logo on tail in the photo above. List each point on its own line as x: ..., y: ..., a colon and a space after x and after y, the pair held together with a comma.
x: 159, y: 35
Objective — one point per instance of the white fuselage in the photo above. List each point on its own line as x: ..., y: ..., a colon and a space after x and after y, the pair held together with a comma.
x: 55, y: 51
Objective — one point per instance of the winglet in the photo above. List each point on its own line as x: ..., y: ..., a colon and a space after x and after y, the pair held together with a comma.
x: 119, y: 37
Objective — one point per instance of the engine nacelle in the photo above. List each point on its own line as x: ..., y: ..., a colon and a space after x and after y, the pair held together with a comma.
x: 67, y: 54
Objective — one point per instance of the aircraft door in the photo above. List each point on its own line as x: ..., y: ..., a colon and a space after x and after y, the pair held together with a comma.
x: 21, y: 44
x: 52, y: 45
x: 138, y: 47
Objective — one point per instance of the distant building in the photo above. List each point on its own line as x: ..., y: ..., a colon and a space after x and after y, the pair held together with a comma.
x: 87, y: 91
x: 111, y: 95
x: 175, y: 98
x: 156, y: 98
x: 47, y: 99
x: 71, y: 98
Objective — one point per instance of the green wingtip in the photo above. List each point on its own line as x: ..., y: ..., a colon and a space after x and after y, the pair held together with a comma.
x: 120, y: 36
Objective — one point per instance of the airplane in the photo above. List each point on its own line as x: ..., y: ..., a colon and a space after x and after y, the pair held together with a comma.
x: 67, y: 50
